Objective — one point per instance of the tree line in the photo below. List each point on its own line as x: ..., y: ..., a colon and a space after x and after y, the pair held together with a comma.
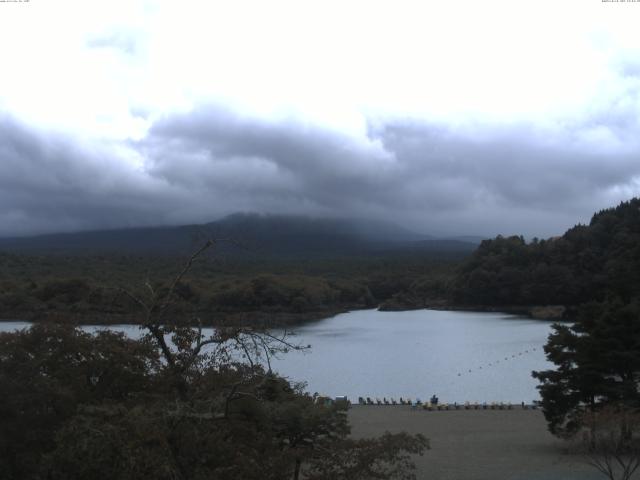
x: 588, y: 263
x: 218, y: 290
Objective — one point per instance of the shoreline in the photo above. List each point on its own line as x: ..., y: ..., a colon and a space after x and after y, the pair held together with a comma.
x: 232, y: 319
x: 536, y: 312
x: 282, y: 319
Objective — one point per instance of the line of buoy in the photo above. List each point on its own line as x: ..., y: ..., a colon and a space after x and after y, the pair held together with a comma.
x: 491, y: 364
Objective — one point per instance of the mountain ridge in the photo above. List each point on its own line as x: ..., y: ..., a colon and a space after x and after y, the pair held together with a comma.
x: 260, y: 234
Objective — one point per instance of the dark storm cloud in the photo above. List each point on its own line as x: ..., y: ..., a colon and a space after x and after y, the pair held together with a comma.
x: 200, y: 165
x: 288, y: 160
x: 486, y: 179
x: 512, y: 166
x: 49, y: 182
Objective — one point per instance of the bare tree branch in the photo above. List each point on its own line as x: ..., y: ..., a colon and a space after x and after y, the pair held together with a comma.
x: 188, y: 343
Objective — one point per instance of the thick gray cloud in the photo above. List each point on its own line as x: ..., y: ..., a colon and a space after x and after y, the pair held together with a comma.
x: 433, y: 178
x: 49, y: 182
x: 481, y: 179
x: 529, y: 135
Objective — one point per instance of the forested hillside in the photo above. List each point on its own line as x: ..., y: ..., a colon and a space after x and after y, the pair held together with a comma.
x: 276, y: 268
x: 587, y: 263
x: 86, y: 288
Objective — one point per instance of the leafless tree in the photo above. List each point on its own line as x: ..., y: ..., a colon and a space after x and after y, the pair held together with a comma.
x: 610, y: 443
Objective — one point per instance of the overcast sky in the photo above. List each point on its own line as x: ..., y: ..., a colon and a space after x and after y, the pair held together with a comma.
x: 462, y: 117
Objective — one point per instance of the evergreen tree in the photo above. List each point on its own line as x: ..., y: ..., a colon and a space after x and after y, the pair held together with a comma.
x: 597, y: 363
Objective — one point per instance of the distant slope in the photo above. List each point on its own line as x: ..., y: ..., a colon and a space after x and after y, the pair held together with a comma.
x: 251, y: 234
x: 588, y: 262
x: 150, y: 240
x: 282, y: 234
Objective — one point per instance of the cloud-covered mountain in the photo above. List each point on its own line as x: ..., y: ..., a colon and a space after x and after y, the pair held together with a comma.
x: 157, y: 114
x: 213, y: 162
x: 246, y: 234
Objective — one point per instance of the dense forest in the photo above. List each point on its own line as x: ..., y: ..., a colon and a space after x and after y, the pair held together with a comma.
x: 595, y: 269
x: 274, y: 269
x: 219, y: 289
x: 588, y: 263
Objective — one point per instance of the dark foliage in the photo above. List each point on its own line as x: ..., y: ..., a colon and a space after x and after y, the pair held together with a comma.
x: 587, y: 263
x: 77, y: 406
x: 48, y: 372
x: 175, y: 404
x: 597, y: 364
x: 219, y: 289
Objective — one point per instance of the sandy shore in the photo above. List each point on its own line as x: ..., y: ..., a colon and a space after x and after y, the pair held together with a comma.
x: 477, y: 444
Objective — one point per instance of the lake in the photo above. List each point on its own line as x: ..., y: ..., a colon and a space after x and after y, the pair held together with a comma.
x: 459, y: 356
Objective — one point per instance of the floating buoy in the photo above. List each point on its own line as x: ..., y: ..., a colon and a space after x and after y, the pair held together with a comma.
x: 496, y: 363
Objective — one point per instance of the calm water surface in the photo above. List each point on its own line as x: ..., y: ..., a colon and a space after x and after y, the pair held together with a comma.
x: 458, y: 356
